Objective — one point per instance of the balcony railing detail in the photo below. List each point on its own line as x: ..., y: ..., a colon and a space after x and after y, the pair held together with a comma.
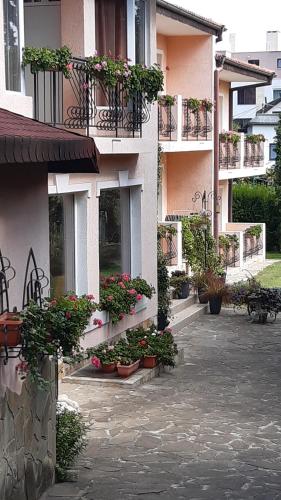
x: 230, y: 155
x: 254, y: 154
x: 84, y: 102
x: 197, y: 125
x: 7, y: 274
x: 231, y: 255
x: 252, y: 246
x: 167, y: 124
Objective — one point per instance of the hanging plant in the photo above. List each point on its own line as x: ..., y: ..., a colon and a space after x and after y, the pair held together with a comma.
x: 44, y: 59
x: 230, y: 137
x: 193, y: 104
x: 254, y: 231
x: 226, y: 241
x: 255, y: 138
x: 207, y: 104
x: 166, y: 100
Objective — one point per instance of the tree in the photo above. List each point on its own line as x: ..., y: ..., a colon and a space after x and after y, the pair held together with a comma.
x: 277, y: 168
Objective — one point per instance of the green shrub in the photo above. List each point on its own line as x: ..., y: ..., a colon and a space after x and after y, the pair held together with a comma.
x: 71, y: 440
x: 259, y: 203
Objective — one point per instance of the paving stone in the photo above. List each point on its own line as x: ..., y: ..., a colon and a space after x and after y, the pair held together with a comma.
x: 210, y: 430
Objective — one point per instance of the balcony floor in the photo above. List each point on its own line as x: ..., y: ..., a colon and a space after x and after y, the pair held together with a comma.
x: 177, y: 146
x: 236, y: 173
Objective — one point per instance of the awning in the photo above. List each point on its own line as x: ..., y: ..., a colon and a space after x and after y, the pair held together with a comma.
x: 27, y: 141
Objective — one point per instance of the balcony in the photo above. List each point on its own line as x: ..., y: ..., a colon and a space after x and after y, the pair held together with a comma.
x: 83, y: 102
x: 240, y: 157
x: 249, y: 247
x: 183, y: 128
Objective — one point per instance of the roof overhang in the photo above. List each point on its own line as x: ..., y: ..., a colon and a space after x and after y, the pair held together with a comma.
x: 26, y: 141
x: 233, y: 70
x: 172, y: 20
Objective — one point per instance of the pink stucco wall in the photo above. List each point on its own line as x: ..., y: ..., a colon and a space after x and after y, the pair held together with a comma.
x: 186, y: 174
x: 189, y: 61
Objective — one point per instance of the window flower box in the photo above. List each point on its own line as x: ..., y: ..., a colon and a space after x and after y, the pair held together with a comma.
x: 125, y: 371
x: 150, y: 361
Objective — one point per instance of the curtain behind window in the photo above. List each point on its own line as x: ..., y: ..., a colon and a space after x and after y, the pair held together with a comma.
x: 111, y: 27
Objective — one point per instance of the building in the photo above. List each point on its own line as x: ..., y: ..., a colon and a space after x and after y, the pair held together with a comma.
x: 196, y: 156
x: 80, y: 220
x: 251, y: 105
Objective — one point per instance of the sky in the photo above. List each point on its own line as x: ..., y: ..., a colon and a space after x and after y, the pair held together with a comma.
x: 249, y: 19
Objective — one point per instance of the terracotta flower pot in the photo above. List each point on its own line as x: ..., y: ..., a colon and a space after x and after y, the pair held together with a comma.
x: 149, y: 361
x: 10, y: 329
x: 110, y: 368
x: 125, y: 371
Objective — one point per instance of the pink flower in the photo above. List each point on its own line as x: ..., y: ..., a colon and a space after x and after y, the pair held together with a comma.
x: 104, y: 64
x: 139, y: 296
x: 125, y: 277
x: 68, y: 315
x: 98, y: 322
x: 110, y: 298
x: 90, y: 297
x: 98, y: 67
x: 132, y: 312
x: 111, y: 279
x: 73, y: 298
x: 53, y: 302
x: 69, y: 66
x: 96, y: 362
x: 132, y: 291
x: 121, y: 316
x: 121, y: 284
x: 95, y: 52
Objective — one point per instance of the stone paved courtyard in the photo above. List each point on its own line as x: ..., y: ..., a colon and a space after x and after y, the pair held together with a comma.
x: 210, y: 430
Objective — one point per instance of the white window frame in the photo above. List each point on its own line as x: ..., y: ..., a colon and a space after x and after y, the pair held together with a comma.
x: 131, y: 32
x: 22, y: 44
x: 81, y: 192
x: 136, y: 188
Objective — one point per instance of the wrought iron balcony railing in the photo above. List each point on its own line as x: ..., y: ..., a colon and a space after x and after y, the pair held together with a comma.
x: 178, y: 122
x: 252, y: 246
x: 196, y: 125
x: 230, y: 155
x: 254, y: 154
x: 85, y: 102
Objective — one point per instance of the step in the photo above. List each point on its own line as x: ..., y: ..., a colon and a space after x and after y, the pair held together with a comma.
x: 179, y: 305
x: 187, y: 316
x: 86, y: 376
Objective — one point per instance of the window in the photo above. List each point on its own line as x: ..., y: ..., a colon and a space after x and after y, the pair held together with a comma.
x: 114, y: 231
x: 254, y: 61
x: 279, y: 63
x: 62, y: 244
x: 272, y: 152
x: 111, y: 27
x: 276, y: 94
x: 246, y: 95
x: 140, y: 22
x: 12, y: 45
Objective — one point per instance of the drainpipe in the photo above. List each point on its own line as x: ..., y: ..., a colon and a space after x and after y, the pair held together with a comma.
x: 218, y: 69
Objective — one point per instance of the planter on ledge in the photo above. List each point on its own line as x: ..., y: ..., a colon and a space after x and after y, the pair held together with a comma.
x: 109, y: 368
x: 149, y: 361
x: 127, y: 370
x: 10, y: 329
x: 215, y: 303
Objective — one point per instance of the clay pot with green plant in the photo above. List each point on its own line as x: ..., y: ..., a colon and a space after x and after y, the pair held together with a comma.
x: 10, y: 329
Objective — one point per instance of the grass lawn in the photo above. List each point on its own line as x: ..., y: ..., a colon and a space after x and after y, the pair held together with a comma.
x: 270, y: 276
x: 273, y: 255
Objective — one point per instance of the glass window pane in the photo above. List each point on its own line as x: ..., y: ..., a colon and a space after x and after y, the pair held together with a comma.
x: 62, y: 244
x: 140, y: 31
x: 12, y: 45
x: 114, y: 231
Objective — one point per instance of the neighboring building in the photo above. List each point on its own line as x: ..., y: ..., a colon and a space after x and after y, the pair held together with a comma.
x: 247, y: 102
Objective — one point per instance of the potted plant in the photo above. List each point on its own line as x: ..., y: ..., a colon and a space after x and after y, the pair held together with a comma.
x: 10, y: 329
x: 126, y: 366
x: 104, y: 357
x: 198, y: 280
x: 217, y: 292
x: 166, y: 100
x: 180, y: 281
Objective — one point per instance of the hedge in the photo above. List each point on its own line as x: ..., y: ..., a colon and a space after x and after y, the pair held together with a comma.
x: 259, y: 203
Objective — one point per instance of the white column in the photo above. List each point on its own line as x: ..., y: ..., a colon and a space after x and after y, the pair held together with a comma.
x: 179, y: 118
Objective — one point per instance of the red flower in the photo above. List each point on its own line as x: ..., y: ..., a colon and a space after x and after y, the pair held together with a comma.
x: 132, y: 312
x: 98, y: 322
x: 110, y: 298
x: 90, y: 297
x: 142, y: 343
x: 69, y: 66
x: 96, y: 362
x: 121, y: 284
x: 68, y: 315
x: 73, y: 298
x: 121, y: 316
x: 125, y: 277
x: 53, y: 302
x: 132, y: 291
x: 139, y: 296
